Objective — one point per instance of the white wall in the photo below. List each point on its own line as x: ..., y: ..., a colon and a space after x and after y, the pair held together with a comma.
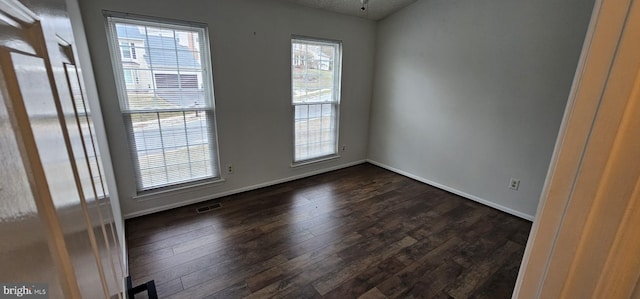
x: 252, y: 88
x: 469, y: 93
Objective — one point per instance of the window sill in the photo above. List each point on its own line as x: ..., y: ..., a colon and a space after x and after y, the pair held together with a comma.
x: 314, y: 161
x: 152, y: 194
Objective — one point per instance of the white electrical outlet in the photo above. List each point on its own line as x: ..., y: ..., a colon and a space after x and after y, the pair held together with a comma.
x: 514, y: 184
x: 343, y: 148
x: 230, y: 169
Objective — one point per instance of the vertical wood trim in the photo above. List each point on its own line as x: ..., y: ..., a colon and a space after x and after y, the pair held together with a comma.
x: 590, y: 237
x: 72, y: 74
x: 617, y: 281
x: 88, y: 84
x: 597, y: 56
x: 622, y: 267
x: 599, y: 196
x: 604, y: 188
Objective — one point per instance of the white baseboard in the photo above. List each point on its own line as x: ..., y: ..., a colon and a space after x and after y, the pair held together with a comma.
x: 239, y: 190
x: 292, y: 178
x: 455, y: 191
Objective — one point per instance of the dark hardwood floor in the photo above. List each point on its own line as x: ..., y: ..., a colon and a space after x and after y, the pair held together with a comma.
x: 357, y: 232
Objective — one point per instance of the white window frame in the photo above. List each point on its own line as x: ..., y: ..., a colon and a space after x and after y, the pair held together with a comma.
x: 117, y: 64
x: 337, y: 95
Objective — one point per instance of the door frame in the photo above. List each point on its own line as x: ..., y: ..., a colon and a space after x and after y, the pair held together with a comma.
x: 584, y: 224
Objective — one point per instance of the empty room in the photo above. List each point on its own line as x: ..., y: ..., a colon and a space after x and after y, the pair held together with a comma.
x: 319, y: 149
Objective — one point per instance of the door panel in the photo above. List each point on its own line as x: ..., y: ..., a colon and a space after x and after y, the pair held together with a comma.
x: 39, y: 102
x: 25, y: 254
x: 52, y: 192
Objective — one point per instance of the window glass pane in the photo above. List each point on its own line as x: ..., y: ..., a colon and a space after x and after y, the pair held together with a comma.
x: 166, y: 101
x: 128, y: 77
x: 172, y: 142
x: 168, y: 66
x: 313, y: 72
x: 315, y: 131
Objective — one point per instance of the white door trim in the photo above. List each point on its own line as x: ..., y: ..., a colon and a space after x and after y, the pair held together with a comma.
x: 570, y: 211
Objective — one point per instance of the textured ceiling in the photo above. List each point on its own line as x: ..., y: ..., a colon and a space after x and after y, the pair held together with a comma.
x: 377, y: 9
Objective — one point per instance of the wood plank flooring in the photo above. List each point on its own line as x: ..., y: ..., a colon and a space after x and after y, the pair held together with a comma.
x: 359, y: 232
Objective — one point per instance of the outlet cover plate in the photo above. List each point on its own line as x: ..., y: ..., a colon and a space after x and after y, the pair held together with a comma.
x: 514, y: 184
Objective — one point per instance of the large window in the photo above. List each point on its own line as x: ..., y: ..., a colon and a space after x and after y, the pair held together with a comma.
x: 166, y: 98
x: 315, y: 91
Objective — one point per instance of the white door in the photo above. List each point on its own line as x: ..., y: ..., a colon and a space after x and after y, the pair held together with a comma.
x: 52, y: 192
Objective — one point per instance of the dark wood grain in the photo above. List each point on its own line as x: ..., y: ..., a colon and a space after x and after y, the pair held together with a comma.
x: 359, y: 232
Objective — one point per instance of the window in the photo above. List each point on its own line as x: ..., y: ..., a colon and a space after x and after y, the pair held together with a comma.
x: 133, y: 51
x: 166, y: 99
x: 128, y: 76
x: 315, y: 92
x: 125, y: 50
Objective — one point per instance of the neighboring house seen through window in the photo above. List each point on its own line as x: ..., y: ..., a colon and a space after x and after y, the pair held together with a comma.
x: 166, y: 98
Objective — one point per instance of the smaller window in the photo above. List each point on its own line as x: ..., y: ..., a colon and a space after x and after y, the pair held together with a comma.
x: 128, y: 77
x: 125, y: 50
x: 133, y: 51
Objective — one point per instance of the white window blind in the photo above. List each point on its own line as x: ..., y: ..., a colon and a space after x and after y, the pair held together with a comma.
x: 315, y: 84
x: 166, y: 98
